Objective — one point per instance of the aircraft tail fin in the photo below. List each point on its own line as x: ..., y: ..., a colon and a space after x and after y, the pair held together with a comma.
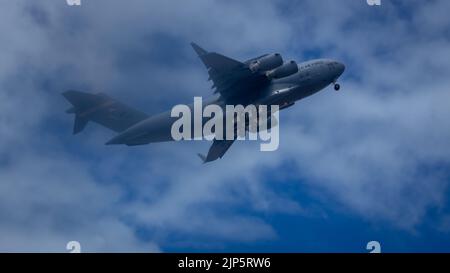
x: 101, y: 109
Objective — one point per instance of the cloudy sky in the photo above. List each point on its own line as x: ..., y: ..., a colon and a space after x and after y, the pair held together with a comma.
x: 368, y: 163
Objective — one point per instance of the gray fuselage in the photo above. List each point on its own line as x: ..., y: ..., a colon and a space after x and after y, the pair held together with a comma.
x: 312, y: 76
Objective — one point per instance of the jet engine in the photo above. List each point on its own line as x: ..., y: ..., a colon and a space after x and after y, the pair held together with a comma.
x: 285, y: 70
x: 267, y: 62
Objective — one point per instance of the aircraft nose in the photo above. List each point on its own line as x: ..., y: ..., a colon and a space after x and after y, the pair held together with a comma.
x: 340, y: 68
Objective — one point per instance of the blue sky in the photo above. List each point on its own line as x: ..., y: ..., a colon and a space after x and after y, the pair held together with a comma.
x: 368, y: 163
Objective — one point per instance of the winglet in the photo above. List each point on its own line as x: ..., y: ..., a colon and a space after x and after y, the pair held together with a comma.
x: 202, y: 157
x: 200, y: 51
x: 80, y: 124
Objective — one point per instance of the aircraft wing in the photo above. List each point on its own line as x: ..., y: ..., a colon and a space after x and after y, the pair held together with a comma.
x: 217, y: 150
x: 101, y: 109
x: 232, y: 79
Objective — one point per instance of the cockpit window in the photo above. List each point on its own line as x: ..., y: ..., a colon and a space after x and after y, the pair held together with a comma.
x: 332, y: 65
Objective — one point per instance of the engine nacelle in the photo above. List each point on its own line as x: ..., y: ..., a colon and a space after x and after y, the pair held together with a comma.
x: 267, y: 62
x: 285, y: 70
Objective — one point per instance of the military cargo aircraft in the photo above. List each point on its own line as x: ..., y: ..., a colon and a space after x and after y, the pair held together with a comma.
x: 266, y: 79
